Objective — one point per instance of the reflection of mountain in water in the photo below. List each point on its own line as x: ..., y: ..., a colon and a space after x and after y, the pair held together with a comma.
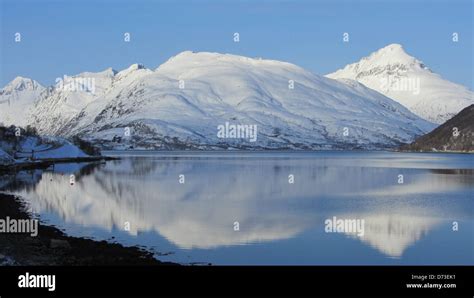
x: 255, y: 192
x: 391, y: 234
x: 23, y: 180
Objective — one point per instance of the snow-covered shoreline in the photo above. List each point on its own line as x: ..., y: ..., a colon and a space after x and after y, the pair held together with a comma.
x: 22, y: 149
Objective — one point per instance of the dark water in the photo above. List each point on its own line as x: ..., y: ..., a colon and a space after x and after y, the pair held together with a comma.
x: 278, y: 222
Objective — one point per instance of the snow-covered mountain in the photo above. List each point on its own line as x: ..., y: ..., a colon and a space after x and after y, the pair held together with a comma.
x: 16, y: 99
x: 67, y: 98
x: 394, y: 73
x: 183, y: 103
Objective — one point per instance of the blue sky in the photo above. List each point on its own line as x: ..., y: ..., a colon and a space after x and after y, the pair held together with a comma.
x: 69, y: 37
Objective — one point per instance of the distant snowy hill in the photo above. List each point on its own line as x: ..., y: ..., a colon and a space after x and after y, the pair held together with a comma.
x: 394, y: 73
x: 16, y: 100
x: 183, y: 103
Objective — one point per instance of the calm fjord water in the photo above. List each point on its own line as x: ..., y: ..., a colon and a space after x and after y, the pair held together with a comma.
x: 279, y: 222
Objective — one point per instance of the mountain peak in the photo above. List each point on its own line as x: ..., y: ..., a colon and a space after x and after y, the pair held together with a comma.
x: 390, y: 55
x: 192, y: 55
x: 392, y: 47
x: 106, y: 73
x: 389, y: 58
x: 185, y: 53
x: 130, y: 70
x: 21, y: 83
x: 184, y: 61
x: 393, y: 51
x: 187, y: 58
x: 136, y: 66
x: 396, y: 74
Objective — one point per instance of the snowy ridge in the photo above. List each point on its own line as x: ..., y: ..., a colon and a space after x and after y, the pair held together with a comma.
x: 394, y: 73
x: 63, y: 101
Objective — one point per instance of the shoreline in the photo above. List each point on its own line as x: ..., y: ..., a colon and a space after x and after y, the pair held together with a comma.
x: 52, y: 247
x: 45, y: 163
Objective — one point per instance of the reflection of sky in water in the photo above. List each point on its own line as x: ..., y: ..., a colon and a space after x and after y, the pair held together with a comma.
x: 280, y: 223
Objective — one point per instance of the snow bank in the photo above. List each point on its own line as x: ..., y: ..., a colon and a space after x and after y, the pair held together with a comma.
x: 49, y: 147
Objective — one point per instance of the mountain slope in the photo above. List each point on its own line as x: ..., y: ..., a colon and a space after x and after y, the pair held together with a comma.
x: 445, y: 138
x: 394, y: 73
x: 16, y: 100
x: 63, y: 101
